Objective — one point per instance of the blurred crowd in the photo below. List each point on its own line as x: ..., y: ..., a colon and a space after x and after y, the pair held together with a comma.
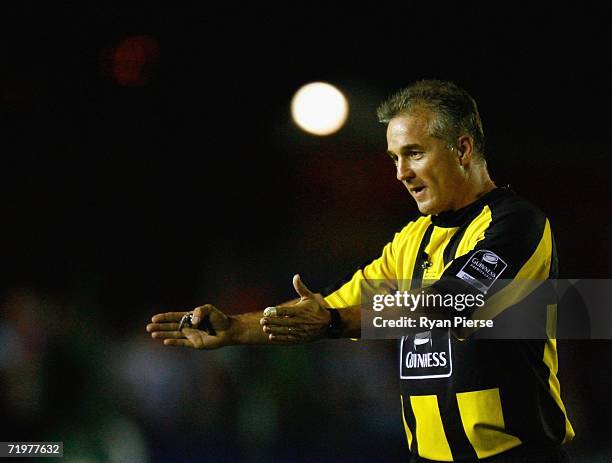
x: 121, y: 397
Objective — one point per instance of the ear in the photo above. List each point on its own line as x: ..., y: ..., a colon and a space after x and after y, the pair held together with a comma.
x: 465, y: 149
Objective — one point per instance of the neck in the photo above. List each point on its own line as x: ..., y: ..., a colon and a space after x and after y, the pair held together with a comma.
x: 479, y: 184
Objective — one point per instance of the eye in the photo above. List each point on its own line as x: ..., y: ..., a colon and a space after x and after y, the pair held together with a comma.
x: 415, y: 154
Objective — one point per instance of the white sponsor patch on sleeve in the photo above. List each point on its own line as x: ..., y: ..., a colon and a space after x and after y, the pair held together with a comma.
x: 482, y: 269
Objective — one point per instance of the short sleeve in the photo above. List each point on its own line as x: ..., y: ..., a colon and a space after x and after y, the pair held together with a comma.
x: 514, y: 253
x: 378, y: 275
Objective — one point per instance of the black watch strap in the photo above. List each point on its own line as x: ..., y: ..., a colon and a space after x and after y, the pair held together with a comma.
x: 334, y: 330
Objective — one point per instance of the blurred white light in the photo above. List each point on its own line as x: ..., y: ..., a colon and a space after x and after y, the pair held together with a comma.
x: 319, y: 108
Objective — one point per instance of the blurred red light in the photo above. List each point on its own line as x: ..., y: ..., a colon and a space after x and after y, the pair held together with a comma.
x: 134, y: 60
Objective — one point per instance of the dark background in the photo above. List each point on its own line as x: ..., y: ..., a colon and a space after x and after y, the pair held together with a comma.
x: 150, y: 164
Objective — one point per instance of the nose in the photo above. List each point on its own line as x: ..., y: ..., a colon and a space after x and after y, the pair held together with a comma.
x: 404, y: 172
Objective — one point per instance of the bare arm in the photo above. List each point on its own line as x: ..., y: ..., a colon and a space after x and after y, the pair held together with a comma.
x: 294, y: 322
x: 211, y: 328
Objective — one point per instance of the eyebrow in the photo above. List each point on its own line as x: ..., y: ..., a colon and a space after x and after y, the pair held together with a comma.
x: 409, y: 147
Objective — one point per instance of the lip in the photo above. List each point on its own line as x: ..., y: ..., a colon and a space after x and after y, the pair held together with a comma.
x: 418, y: 191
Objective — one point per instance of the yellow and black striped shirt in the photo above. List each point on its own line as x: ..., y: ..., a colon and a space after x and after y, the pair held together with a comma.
x: 482, y: 397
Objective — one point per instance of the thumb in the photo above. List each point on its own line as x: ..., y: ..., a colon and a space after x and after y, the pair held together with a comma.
x: 210, y: 319
x: 199, y: 313
x: 300, y: 287
x: 202, y: 312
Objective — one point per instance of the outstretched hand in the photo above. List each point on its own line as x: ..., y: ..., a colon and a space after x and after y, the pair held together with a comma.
x: 165, y: 326
x: 307, y: 320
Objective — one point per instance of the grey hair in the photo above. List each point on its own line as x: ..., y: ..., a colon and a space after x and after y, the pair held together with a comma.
x: 455, y: 111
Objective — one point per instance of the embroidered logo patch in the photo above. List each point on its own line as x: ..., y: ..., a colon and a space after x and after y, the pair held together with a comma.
x: 482, y: 269
x: 426, y: 355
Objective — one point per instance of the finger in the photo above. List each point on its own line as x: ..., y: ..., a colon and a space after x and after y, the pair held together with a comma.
x: 281, y: 321
x: 167, y: 335
x: 178, y: 342
x: 279, y: 311
x: 168, y: 317
x: 284, y: 330
x: 162, y: 327
x: 284, y: 338
x: 200, y: 312
x: 301, y: 288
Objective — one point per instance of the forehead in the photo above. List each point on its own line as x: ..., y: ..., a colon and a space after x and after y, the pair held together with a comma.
x: 407, y: 129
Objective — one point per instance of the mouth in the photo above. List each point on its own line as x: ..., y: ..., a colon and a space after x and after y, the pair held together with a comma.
x: 417, y: 190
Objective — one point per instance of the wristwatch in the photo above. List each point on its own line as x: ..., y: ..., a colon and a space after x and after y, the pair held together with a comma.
x: 334, y: 330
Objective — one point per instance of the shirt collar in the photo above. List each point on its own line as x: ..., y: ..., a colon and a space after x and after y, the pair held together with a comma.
x: 450, y: 219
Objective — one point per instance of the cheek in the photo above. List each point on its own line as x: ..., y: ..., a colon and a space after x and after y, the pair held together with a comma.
x: 434, y: 178
x: 442, y: 184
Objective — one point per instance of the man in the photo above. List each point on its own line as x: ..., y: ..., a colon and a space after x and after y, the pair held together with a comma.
x: 489, y: 400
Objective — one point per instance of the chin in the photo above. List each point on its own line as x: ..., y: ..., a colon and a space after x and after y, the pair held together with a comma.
x: 427, y: 208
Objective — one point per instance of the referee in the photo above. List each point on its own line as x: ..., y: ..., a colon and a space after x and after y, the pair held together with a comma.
x: 490, y: 400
